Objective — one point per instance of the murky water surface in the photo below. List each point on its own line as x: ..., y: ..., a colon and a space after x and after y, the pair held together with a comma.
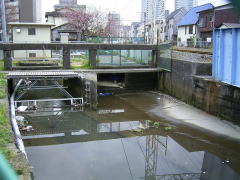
x: 122, y: 140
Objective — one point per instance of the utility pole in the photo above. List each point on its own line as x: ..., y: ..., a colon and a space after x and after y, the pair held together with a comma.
x: 4, y: 25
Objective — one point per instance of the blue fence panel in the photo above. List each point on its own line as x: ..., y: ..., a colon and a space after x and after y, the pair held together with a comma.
x: 226, y: 56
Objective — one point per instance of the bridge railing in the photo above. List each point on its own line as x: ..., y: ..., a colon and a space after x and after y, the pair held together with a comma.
x: 99, y: 55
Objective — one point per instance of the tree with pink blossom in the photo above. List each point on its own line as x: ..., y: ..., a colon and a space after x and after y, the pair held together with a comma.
x: 89, y: 22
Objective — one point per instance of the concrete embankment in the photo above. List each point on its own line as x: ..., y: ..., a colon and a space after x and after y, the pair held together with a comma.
x: 190, y: 81
x: 180, y: 112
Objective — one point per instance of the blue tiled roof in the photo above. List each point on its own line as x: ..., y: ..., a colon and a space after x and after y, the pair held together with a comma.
x: 192, y: 15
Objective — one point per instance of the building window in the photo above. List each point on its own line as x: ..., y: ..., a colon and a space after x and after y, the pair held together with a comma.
x: 31, y: 31
x: 191, y: 29
x: 201, y: 22
x: 32, y: 55
x: 185, y: 30
x: 211, y: 18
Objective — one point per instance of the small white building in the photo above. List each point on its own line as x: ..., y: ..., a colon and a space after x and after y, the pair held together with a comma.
x: 31, y: 33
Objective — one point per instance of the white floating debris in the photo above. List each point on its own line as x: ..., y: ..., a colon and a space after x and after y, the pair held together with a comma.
x: 22, y: 108
x: 109, y: 111
x: 118, y: 111
x: 28, y: 128
x: 20, y: 118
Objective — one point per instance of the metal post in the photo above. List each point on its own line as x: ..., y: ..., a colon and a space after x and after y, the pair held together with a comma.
x: 93, y: 57
x: 154, y: 57
x: 120, y: 57
x: 7, y: 60
x: 111, y: 57
x: 66, y: 59
x: 4, y: 24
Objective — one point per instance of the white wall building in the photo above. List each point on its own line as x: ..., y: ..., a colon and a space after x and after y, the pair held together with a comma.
x: 31, y: 33
x: 56, y: 17
x: 185, y: 33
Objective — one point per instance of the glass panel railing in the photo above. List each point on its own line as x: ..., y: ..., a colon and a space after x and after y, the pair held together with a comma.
x: 124, y: 57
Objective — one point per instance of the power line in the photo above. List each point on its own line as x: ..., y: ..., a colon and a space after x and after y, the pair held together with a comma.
x: 130, y: 2
x: 117, y: 1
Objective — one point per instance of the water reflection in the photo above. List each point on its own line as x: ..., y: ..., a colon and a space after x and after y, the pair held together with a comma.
x: 107, y: 145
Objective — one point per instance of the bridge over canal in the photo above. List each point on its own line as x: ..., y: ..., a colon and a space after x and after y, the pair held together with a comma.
x: 91, y: 48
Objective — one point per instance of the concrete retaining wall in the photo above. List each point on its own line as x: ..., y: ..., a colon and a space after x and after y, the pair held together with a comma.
x: 190, y: 81
x: 141, y: 81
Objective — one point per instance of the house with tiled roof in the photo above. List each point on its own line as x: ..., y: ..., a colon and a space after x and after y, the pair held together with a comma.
x: 187, y: 27
x: 224, y: 16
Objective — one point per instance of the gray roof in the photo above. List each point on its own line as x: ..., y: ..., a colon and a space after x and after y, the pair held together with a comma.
x: 231, y: 25
x: 174, y: 13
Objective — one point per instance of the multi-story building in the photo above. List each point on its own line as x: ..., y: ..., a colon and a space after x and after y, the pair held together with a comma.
x: 160, y: 10
x: 152, y: 10
x: 12, y: 10
x: 23, y: 10
x: 30, y: 11
x: 215, y: 18
x: 67, y: 4
x: 114, y: 24
x: 187, y: 4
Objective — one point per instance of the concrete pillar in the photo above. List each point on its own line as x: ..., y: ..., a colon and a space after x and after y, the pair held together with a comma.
x: 93, y: 58
x: 64, y: 37
x: 154, y: 58
x: 66, y: 59
x: 7, y: 60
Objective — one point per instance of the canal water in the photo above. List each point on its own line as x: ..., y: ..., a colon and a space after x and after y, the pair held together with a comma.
x: 124, y: 140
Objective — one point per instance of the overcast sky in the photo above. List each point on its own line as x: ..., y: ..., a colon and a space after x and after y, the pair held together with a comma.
x: 129, y: 9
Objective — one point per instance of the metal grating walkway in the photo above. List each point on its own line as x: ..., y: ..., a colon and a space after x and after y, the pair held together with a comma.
x: 42, y: 74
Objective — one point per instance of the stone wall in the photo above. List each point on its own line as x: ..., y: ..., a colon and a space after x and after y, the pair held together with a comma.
x: 190, y: 81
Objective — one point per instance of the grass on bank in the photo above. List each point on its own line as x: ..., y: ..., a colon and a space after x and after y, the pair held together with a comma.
x: 7, y: 148
x: 5, y: 128
x: 1, y: 65
x: 81, y: 63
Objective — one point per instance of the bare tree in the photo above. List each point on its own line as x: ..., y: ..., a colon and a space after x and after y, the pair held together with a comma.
x: 90, y: 22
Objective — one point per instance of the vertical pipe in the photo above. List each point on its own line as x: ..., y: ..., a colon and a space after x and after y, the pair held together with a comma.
x: 17, y: 133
